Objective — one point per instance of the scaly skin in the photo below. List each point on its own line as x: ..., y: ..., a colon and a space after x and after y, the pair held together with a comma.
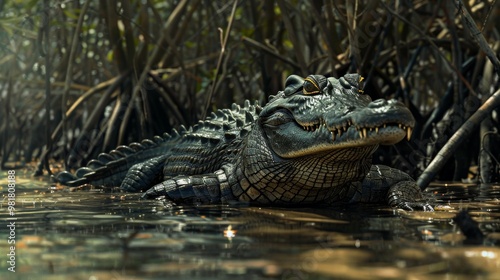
x: 311, y: 144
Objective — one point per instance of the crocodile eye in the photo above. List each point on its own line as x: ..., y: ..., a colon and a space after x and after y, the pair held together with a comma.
x: 310, y: 87
x: 313, y: 84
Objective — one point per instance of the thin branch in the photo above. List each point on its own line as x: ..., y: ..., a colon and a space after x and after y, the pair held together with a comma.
x: 48, y: 72
x: 98, y: 88
x: 478, y: 36
x: 219, y: 62
x: 269, y: 51
x: 354, y: 50
x: 293, y: 37
x: 69, y: 74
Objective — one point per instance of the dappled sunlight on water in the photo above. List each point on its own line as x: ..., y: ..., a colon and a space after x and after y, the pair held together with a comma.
x: 91, y: 234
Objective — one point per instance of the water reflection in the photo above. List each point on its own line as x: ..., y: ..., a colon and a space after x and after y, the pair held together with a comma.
x: 98, y: 235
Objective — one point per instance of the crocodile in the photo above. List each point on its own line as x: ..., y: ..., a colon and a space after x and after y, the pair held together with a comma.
x: 311, y: 144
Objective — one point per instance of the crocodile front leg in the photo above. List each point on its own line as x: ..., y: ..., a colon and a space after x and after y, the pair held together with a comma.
x: 398, y: 189
x: 205, y: 188
x: 142, y: 175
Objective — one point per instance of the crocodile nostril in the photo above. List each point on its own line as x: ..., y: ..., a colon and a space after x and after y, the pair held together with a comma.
x: 377, y: 103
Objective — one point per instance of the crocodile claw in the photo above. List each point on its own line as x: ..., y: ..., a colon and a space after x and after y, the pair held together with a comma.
x: 407, y: 196
x: 412, y: 206
x: 154, y: 192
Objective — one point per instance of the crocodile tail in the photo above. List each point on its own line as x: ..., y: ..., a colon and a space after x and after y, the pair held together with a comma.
x: 109, y: 169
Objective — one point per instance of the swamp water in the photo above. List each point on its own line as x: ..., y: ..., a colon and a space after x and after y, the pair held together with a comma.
x: 95, y: 235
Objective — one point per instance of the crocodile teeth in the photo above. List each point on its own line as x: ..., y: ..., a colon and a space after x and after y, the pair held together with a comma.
x: 312, y: 127
x: 408, y: 133
x: 363, y: 131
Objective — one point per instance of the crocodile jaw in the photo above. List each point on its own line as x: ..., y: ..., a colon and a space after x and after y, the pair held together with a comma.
x: 327, y: 139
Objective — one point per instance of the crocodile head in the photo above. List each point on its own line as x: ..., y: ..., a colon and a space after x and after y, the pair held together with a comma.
x: 315, y: 139
x: 319, y: 114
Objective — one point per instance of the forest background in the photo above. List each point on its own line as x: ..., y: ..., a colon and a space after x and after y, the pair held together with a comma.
x: 78, y: 78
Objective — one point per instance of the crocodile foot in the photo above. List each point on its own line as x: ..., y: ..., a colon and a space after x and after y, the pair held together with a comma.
x: 407, y: 195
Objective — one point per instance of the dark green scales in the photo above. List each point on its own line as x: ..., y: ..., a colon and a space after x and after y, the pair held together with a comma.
x: 311, y: 144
